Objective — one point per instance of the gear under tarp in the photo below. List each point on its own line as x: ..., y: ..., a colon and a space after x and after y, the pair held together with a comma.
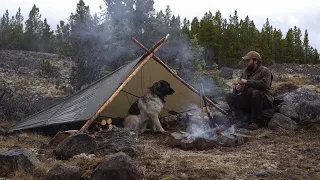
x: 84, y: 104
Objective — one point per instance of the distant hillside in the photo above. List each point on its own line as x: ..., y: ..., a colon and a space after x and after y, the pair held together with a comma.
x: 31, y: 81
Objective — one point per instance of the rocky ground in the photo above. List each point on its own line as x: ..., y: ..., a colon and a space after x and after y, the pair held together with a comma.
x: 289, y: 148
x: 29, y: 84
x: 268, y: 154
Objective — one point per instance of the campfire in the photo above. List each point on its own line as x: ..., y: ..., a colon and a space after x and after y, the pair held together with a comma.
x: 201, y: 135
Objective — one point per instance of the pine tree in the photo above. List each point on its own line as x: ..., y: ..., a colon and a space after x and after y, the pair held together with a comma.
x: 244, y: 35
x: 186, y: 27
x: 47, y: 37
x: 33, y: 30
x: 207, y: 37
x: 306, y: 46
x: 17, y: 31
x: 316, y: 57
x: 86, y: 47
x: 195, y: 26
x: 297, y: 45
x: 266, y: 43
x: 62, y: 43
x: 218, y: 32
x: 5, y: 30
x: 277, y: 46
x: 288, y: 47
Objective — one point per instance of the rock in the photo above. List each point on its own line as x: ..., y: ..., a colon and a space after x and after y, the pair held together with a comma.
x: 174, y: 140
x: 2, y: 131
x: 74, y: 145
x: 312, y: 149
x: 316, y: 79
x: 231, y: 141
x: 289, y: 112
x: 63, y: 172
x: 282, y: 121
x: 204, y: 144
x: 60, y: 136
x: 17, y: 159
x: 117, y: 166
x: 261, y: 173
x: 226, y: 72
x: 309, y: 111
x: 116, y: 140
x: 299, y: 95
x: 23, y: 70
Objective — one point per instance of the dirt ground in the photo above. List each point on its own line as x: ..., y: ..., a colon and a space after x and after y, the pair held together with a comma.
x: 266, y: 155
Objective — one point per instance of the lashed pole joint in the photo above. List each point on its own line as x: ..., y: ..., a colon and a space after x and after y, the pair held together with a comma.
x: 149, y: 54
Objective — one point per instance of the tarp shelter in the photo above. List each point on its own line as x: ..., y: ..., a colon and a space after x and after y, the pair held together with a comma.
x: 84, y: 104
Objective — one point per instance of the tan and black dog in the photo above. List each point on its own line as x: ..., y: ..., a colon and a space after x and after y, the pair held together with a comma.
x: 147, y: 108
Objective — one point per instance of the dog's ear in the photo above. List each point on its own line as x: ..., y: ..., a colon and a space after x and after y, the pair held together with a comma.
x: 156, y: 87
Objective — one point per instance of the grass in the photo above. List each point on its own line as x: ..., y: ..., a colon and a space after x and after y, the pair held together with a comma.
x: 279, y: 153
x: 276, y: 152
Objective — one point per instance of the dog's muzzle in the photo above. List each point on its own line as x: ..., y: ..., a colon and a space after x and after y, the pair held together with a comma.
x: 171, y: 91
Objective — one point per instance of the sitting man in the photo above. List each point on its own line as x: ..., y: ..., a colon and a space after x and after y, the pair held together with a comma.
x: 252, y: 93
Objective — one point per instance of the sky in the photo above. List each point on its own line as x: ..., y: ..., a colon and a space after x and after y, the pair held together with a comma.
x: 282, y: 14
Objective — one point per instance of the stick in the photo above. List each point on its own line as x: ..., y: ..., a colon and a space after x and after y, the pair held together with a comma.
x: 142, y: 63
x: 154, y: 47
x: 201, y: 106
x: 211, y: 120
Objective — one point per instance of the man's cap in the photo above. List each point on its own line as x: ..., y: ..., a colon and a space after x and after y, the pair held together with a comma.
x: 252, y: 55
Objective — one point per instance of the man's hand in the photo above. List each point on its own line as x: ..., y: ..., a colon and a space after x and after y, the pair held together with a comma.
x: 238, y: 87
x: 243, y: 81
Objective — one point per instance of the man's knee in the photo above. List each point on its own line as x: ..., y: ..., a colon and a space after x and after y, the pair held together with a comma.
x: 256, y: 94
x: 230, y: 97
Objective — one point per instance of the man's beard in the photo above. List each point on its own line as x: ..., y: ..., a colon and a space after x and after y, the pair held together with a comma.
x: 250, y: 68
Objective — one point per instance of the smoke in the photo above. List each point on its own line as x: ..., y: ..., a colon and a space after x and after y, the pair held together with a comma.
x: 199, y: 128
x: 105, y: 42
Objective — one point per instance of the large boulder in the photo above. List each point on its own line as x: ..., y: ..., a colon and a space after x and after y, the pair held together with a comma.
x: 289, y: 112
x: 299, y: 95
x: 63, y: 172
x: 226, y: 72
x: 116, y: 140
x: 282, y: 121
x: 75, y: 144
x: 117, y: 166
x: 305, y: 102
x: 309, y: 111
x: 17, y: 159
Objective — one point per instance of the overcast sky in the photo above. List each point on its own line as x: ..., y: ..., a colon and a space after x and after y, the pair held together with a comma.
x: 282, y: 14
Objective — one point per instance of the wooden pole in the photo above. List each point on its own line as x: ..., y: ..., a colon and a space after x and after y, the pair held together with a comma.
x: 180, y: 79
x: 201, y: 106
x: 140, y: 65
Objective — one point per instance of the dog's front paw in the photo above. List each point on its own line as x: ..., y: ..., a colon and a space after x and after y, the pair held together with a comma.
x: 165, y: 132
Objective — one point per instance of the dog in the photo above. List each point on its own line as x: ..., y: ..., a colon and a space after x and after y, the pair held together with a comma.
x: 146, y: 109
